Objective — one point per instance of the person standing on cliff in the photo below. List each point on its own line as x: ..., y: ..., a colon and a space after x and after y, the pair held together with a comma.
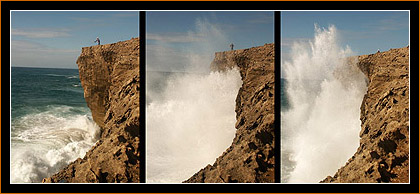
x: 231, y: 47
x: 97, y: 40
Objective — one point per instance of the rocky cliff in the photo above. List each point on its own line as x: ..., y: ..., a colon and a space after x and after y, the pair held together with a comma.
x: 250, y: 158
x: 383, y: 154
x: 110, y: 78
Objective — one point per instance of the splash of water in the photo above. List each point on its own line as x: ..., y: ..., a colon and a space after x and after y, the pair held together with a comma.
x: 43, y: 143
x: 191, y: 119
x: 191, y: 124
x: 325, y: 90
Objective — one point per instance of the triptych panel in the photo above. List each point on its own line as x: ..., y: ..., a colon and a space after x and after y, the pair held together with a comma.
x: 220, y: 96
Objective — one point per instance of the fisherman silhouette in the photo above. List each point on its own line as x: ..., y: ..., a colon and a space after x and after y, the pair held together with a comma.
x: 231, y: 47
x: 97, y: 40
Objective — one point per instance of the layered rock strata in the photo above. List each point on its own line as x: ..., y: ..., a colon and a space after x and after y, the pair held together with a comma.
x: 250, y: 158
x: 383, y: 154
x: 110, y: 78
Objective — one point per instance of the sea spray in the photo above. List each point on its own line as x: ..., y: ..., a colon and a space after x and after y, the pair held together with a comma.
x: 191, y: 124
x: 324, y: 90
x: 190, y: 111
x: 43, y: 143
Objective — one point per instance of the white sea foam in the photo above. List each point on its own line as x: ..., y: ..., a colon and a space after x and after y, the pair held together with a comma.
x: 73, y: 77
x: 320, y: 130
x: 43, y: 143
x: 191, y: 124
x: 56, y: 75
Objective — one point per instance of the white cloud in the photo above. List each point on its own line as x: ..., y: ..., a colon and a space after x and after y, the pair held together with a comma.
x: 41, y: 33
x: 203, y: 41
x: 32, y: 54
x: 175, y: 38
x: 126, y: 14
x: 204, y: 32
x: 391, y: 24
x: 164, y: 58
x: 89, y: 20
x: 262, y: 19
x: 27, y: 46
x: 288, y: 42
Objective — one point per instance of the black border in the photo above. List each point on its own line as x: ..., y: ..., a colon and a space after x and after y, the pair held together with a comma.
x: 142, y: 33
x: 242, y: 188
x: 277, y: 101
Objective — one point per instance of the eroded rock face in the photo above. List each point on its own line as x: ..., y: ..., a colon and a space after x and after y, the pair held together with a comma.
x: 250, y: 158
x: 110, y: 78
x: 383, y: 154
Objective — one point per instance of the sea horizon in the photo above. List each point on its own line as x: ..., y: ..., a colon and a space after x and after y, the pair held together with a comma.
x: 45, y: 67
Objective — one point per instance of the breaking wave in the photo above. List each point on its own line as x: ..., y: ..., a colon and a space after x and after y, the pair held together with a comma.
x: 320, y: 129
x: 190, y: 123
x: 43, y: 143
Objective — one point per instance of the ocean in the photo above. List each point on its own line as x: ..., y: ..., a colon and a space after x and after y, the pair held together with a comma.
x: 51, y: 124
x: 283, y: 95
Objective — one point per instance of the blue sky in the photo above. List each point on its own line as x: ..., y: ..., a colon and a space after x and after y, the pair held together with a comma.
x: 363, y: 31
x: 186, y: 41
x: 54, y: 38
x: 176, y: 39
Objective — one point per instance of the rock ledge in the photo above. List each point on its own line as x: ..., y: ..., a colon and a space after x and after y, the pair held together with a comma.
x: 110, y: 78
x: 383, y: 154
x: 250, y: 158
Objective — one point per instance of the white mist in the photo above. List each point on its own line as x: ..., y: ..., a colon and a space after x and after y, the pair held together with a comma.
x: 320, y: 131
x: 191, y: 120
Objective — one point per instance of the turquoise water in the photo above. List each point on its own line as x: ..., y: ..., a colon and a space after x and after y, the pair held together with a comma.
x: 51, y: 124
x: 283, y: 95
x: 38, y: 89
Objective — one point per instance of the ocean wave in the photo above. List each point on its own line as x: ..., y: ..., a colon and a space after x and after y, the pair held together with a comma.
x: 66, y: 90
x: 73, y: 77
x: 56, y: 75
x: 190, y: 124
x: 66, y: 76
x: 320, y: 129
x: 43, y: 143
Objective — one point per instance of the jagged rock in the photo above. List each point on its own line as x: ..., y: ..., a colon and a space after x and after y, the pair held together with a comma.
x: 383, y: 154
x: 250, y: 158
x: 110, y: 78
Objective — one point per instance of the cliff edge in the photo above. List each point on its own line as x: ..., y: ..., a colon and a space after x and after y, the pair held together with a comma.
x: 250, y: 158
x: 383, y: 154
x: 110, y: 78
